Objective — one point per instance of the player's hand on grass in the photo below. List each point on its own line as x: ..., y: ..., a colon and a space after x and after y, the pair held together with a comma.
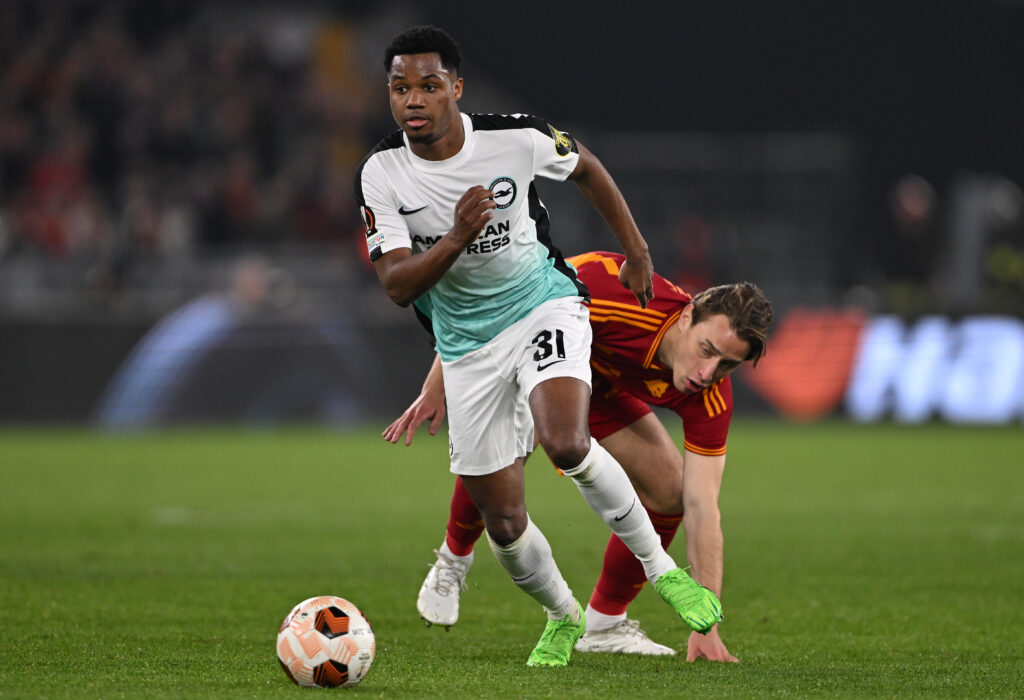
x: 427, y: 406
x: 472, y: 213
x: 708, y: 646
x: 637, y: 275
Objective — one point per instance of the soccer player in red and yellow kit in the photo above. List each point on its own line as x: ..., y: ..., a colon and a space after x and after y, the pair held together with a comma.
x: 677, y: 353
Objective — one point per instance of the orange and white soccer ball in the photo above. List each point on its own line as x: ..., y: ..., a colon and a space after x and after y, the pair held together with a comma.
x: 326, y: 642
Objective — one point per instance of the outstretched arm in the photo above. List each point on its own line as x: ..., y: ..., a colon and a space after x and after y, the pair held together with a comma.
x: 597, y: 185
x: 429, y: 405
x: 702, y: 483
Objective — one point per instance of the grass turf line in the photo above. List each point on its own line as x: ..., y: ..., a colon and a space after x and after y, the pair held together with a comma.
x: 862, y: 561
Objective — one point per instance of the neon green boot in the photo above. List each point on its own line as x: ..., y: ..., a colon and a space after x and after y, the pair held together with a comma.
x: 697, y: 605
x: 556, y: 644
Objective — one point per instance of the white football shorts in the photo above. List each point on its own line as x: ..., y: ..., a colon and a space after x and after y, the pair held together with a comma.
x: 488, y: 389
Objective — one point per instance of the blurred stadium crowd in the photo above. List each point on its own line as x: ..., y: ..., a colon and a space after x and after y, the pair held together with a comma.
x: 138, y: 134
x: 177, y: 223
x: 132, y: 130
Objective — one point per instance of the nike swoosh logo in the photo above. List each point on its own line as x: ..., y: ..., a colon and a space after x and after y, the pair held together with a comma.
x: 541, y: 368
x: 520, y: 580
x: 405, y: 212
x: 627, y: 512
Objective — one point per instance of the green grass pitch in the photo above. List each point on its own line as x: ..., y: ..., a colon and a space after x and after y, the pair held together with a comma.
x: 861, y: 561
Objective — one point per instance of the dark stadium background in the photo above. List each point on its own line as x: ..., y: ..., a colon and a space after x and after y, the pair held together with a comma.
x: 859, y: 161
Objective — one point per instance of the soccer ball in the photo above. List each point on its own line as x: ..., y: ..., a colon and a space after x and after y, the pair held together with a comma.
x: 326, y: 642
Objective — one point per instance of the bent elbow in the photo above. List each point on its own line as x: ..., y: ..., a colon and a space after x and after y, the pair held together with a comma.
x: 396, y: 289
x: 399, y: 296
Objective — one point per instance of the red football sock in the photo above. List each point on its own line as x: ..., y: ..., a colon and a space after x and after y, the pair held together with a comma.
x: 464, y: 522
x: 622, y: 574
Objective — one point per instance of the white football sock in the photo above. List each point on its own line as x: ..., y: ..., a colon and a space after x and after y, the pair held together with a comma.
x: 598, y: 621
x: 532, y: 567
x: 446, y: 550
x: 608, y: 491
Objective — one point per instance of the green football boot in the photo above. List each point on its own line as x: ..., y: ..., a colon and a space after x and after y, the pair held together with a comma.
x: 697, y: 605
x: 556, y: 644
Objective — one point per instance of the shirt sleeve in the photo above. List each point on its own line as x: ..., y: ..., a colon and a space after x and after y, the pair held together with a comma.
x: 555, y: 153
x: 385, y: 228
x: 706, y: 418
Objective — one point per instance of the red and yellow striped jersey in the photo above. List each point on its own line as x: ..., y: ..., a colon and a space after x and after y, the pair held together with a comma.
x: 627, y: 377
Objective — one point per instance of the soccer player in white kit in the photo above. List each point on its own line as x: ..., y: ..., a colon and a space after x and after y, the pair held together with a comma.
x: 454, y: 226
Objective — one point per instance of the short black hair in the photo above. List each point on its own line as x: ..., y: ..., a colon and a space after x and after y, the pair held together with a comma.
x: 425, y: 38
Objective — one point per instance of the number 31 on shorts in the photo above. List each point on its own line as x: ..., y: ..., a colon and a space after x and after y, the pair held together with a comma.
x: 544, y: 350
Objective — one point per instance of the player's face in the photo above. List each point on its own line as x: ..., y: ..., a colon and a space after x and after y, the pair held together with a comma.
x: 424, y: 97
x: 706, y: 352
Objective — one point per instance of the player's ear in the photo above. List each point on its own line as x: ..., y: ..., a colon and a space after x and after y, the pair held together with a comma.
x: 457, y: 88
x: 686, y: 317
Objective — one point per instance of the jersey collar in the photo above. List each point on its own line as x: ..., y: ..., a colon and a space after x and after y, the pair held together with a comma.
x: 652, y: 352
x: 448, y: 164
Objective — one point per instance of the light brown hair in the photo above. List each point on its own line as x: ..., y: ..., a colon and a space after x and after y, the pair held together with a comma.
x: 747, y: 308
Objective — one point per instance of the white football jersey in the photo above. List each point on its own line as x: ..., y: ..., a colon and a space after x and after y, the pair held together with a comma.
x: 512, y: 267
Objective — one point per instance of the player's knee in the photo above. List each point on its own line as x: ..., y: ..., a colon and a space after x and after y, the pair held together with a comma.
x: 567, y: 450
x: 661, y: 488
x: 667, y: 498
x: 505, y: 527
